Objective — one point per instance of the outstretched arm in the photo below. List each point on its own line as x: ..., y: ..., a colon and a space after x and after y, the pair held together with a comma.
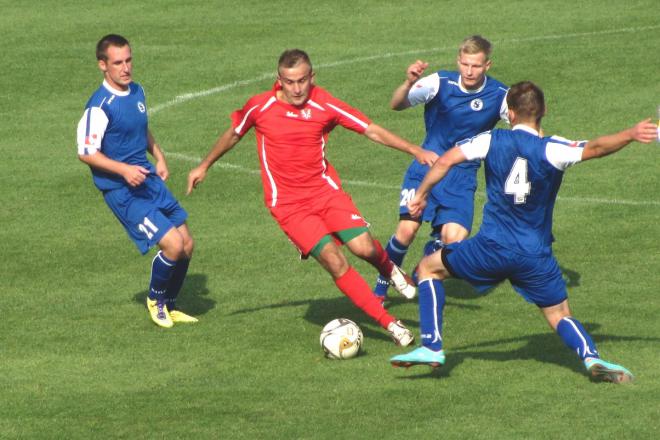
x: 414, y: 72
x: 383, y: 136
x: 225, y: 143
x: 644, y: 132
x: 437, y: 172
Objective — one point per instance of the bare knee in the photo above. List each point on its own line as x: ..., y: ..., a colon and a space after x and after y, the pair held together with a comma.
x: 431, y: 266
x: 172, y: 245
x: 453, y: 232
x: 333, y: 260
x: 406, y: 231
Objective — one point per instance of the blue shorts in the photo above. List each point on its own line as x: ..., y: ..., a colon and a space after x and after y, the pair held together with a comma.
x: 147, y: 211
x: 484, y: 264
x: 450, y: 201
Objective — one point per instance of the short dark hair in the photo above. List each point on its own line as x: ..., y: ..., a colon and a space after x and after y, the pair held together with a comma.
x: 107, y: 41
x: 293, y: 57
x: 527, y: 100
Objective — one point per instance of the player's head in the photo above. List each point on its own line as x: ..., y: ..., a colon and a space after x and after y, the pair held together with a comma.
x: 473, y: 61
x: 295, y: 75
x: 526, y: 103
x: 113, y: 53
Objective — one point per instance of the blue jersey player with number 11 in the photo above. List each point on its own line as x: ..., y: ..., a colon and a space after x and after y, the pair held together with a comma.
x: 113, y: 139
x: 523, y: 173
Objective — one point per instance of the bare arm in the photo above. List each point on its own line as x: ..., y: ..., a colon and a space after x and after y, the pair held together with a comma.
x: 414, y: 72
x: 644, y: 132
x: 157, y: 153
x: 437, y: 172
x: 134, y: 175
x: 383, y: 136
x: 224, y: 143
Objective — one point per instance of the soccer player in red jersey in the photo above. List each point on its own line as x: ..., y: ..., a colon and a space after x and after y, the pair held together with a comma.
x: 303, y: 191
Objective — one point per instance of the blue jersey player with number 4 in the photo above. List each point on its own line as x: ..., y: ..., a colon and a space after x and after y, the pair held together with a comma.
x: 113, y: 139
x: 457, y: 105
x: 523, y: 173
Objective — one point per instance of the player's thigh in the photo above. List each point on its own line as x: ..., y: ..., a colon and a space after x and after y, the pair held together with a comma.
x: 166, y: 202
x: 142, y: 219
x: 482, y: 263
x: 539, y: 280
x: 304, y: 227
x: 339, y: 213
x: 452, y: 201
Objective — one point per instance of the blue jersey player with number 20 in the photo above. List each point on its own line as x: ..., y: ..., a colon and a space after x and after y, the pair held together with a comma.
x: 523, y: 173
x: 113, y: 139
x: 457, y: 105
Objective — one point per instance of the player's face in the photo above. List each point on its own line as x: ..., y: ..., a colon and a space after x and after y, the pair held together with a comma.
x: 473, y: 68
x: 296, y: 83
x: 117, y: 70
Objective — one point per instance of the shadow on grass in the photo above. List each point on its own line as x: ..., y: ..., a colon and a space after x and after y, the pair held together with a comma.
x: 193, y: 297
x: 547, y: 348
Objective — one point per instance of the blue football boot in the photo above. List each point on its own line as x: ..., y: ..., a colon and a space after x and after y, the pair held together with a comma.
x: 607, y: 371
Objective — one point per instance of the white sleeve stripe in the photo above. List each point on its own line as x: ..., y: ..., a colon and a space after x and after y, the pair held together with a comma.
x: 477, y: 147
x: 360, y: 122
x: 240, y: 126
x: 91, y: 130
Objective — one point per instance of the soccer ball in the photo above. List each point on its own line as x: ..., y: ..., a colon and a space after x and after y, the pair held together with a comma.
x: 341, y: 338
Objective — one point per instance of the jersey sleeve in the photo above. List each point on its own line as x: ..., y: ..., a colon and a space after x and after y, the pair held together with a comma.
x: 347, y: 116
x: 91, y: 129
x: 244, y: 118
x: 476, y: 147
x: 424, y: 90
x: 562, y: 153
x: 504, y: 110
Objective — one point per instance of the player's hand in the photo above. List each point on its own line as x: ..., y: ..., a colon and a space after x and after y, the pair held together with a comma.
x: 134, y: 175
x: 416, y: 206
x: 162, y: 170
x: 426, y: 157
x: 645, y: 131
x: 195, y: 177
x: 415, y: 71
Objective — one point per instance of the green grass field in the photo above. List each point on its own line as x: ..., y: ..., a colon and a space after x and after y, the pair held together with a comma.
x: 80, y: 357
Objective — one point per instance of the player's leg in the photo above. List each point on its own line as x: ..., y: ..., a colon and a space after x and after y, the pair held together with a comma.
x: 162, y: 269
x: 397, y: 248
x: 539, y: 280
x: 398, y: 244
x: 178, y: 277
x: 351, y: 284
x: 360, y: 242
x: 577, y: 339
x: 431, y: 271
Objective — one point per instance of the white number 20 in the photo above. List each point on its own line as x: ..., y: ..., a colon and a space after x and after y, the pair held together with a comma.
x: 517, y: 183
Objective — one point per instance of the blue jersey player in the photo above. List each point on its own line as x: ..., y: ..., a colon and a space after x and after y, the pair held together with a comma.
x: 523, y: 173
x: 457, y: 105
x: 113, y: 139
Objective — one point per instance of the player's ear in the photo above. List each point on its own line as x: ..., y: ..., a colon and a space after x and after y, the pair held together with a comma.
x: 487, y: 65
x: 103, y: 66
x: 312, y: 76
x: 512, y: 116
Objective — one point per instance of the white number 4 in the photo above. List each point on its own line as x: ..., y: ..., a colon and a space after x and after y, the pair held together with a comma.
x: 517, y: 183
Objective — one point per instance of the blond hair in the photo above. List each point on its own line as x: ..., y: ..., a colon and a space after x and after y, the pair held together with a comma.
x: 475, y: 44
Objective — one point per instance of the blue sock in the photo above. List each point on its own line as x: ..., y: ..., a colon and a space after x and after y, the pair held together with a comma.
x: 397, y: 252
x: 431, y: 306
x: 576, y: 338
x: 178, y: 276
x: 162, y: 269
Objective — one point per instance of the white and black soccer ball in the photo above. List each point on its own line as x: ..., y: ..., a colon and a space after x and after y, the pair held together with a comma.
x: 341, y: 338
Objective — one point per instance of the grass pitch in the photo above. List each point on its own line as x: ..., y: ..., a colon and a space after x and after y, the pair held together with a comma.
x: 80, y: 358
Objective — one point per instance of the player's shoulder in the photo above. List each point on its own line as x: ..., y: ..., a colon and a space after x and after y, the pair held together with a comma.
x: 448, y: 76
x: 319, y: 94
x: 555, y: 139
x: 260, y: 99
x: 496, y: 84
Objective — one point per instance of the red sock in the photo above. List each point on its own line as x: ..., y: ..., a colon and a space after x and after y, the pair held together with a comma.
x: 356, y: 288
x: 383, y: 264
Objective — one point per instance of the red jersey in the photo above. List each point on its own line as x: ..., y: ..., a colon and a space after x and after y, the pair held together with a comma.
x: 291, y: 142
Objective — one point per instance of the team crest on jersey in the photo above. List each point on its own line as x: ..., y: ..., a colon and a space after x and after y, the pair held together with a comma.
x: 141, y: 107
x: 306, y: 113
x: 476, y: 104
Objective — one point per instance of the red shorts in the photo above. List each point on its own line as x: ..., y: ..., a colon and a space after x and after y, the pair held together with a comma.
x: 307, y: 223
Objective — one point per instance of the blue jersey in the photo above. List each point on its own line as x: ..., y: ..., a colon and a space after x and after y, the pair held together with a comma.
x: 115, y: 123
x: 452, y: 113
x: 523, y: 175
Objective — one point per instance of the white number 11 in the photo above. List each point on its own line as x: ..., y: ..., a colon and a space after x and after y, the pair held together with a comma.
x: 517, y: 183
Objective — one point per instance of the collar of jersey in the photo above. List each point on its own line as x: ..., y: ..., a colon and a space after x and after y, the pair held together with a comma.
x: 464, y: 90
x: 115, y: 91
x: 526, y: 128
